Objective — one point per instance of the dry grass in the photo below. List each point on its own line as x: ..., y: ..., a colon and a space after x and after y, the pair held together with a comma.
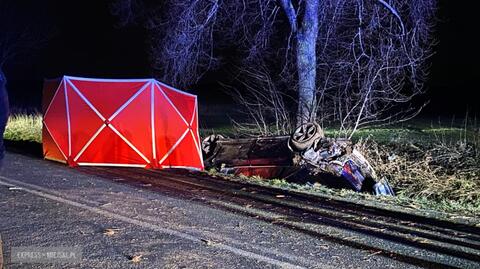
x: 441, y: 175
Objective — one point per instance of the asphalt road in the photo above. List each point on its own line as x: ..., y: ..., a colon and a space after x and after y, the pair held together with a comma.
x: 183, y: 220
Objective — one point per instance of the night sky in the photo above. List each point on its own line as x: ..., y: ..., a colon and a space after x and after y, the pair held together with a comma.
x: 453, y: 83
x: 86, y: 42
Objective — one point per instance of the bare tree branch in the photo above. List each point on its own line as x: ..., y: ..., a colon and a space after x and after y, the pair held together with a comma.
x: 290, y: 13
x: 395, y: 13
x: 343, y: 62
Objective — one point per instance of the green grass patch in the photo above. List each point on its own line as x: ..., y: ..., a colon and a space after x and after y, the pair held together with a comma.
x: 426, y: 135
x: 22, y: 127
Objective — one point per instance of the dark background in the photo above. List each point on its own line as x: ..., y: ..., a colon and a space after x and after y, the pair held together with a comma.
x: 84, y: 41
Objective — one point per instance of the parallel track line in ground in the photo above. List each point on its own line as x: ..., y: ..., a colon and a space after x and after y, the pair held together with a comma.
x: 425, y: 223
x: 346, y: 216
x: 41, y: 192
x: 173, y: 183
x: 351, y: 207
x: 308, y: 198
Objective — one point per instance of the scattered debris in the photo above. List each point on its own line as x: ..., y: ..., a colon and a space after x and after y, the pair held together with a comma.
x: 372, y: 254
x: 15, y: 188
x: 136, y: 258
x: 324, y: 247
x: 207, y: 242
x: 422, y: 240
x: 111, y: 231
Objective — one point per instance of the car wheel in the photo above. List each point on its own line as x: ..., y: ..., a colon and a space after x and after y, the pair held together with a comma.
x: 209, y: 144
x: 304, y: 136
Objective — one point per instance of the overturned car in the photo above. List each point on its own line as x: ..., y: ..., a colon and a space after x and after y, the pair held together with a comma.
x: 305, y: 156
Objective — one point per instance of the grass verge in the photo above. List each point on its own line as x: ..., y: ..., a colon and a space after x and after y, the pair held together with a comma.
x: 23, y: 127
x: 398, y: 203
x: 430, y: 167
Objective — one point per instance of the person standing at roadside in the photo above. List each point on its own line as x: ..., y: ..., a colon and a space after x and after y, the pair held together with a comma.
x: 4, y: 112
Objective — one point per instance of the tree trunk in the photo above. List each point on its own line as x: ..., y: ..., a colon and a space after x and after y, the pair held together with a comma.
x: 306, y: 62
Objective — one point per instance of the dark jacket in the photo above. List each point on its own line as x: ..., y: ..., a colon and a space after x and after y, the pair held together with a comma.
x: 4, y: 111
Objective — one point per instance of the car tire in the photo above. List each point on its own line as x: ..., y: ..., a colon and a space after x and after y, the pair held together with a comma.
x: 209, y: 144
x: 304, y: 136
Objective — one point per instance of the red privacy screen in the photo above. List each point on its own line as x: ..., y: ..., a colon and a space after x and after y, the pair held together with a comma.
x: 132, y: 123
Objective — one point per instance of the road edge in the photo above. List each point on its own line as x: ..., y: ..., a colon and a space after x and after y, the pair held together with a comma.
x: 21, y: 148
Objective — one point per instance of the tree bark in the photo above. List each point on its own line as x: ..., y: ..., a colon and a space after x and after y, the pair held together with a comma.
x: 306, y: 62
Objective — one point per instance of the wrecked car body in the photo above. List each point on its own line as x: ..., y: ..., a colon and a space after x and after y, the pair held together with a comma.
x: 305, y: 156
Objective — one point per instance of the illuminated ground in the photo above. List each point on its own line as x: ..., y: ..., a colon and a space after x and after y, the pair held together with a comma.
x: 179, y: 221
